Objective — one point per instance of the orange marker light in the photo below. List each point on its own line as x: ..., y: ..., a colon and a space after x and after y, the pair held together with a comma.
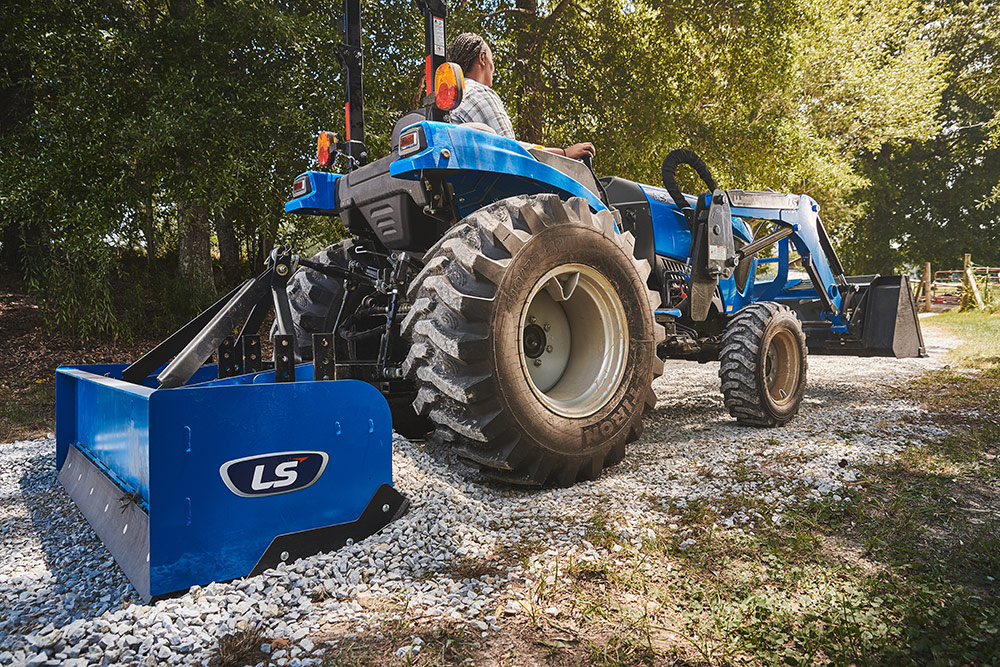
x: 325, y: 141
x: 449, y: 86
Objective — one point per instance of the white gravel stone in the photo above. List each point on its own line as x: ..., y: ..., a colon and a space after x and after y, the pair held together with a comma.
x: 61, y: 591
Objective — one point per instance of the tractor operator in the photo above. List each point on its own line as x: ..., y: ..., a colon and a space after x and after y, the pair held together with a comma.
x: 480, y: 103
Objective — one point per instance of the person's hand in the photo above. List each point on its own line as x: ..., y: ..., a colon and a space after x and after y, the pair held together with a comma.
x: 578, y: 151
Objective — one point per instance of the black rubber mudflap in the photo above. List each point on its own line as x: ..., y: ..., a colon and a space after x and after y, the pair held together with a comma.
x: 890, y: 326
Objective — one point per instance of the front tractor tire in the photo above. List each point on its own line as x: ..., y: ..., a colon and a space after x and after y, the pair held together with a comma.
x: 533, y: 340
x: 763, y: 365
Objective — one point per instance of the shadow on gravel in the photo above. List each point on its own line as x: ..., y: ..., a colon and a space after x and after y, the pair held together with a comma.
x: 85, y: 581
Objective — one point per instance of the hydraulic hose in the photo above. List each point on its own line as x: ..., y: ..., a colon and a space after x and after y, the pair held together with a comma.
x: 673, y: 160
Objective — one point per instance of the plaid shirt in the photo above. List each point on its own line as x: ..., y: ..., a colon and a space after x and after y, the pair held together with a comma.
x: 481, y: 104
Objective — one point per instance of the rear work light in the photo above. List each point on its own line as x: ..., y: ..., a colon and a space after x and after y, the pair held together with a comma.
x: 412, y: 141
x: 449, y: 86
x: 324, y: 143
x: 301, y: 186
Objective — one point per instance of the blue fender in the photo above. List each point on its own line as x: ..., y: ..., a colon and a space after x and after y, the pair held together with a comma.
x: 320, y: 197
x: 484, y: 167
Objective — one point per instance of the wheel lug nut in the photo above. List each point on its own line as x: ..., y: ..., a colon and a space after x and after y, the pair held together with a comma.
x: 548, y: 348
x: 531, y: 319
x: 538, y: 362
x: 547, y: 327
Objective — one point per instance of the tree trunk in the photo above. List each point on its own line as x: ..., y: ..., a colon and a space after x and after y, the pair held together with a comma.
x: 229, y: 248
x: 194, y: 252
x: 528, y: 72
x: 266, y: 241
x: 10, y: 247
x: 149, y: 225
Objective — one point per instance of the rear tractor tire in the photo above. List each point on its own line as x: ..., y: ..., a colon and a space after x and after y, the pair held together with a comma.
x: 533, y: 340
x: 763, y: 365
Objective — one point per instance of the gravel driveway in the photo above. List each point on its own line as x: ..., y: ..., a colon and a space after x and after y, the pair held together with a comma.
x: 65, y: 601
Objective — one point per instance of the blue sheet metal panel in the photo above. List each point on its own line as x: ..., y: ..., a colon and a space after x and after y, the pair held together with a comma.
x: 110, y: 420
x: 322, y: 197
x: 472, y: 150
x: 671, y: 234
x: 66, y: 410
x: 200, y: 530
x: 742, y: 229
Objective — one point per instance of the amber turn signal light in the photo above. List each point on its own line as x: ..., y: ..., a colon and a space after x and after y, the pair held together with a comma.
x: 449, y: 86
x: 324, y: 143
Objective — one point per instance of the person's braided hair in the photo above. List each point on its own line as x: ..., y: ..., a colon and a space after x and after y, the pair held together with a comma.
x: 465, y: 49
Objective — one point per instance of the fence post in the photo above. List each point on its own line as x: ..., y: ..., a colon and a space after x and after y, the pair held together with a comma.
x: 964, y: 302
x: 927, y: 287
x: 969, y: 284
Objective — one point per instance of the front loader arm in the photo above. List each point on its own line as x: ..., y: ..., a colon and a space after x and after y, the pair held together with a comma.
x: 797, y: 217
x: 797, y: 222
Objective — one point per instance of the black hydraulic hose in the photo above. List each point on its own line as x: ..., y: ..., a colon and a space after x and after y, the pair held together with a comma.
x: 673, y: 160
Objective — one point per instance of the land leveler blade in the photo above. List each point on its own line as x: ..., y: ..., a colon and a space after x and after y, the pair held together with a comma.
x: 209, y: 473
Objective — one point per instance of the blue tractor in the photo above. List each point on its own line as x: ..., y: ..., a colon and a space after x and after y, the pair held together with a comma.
x: 493, y: 296
x: 527, y: 304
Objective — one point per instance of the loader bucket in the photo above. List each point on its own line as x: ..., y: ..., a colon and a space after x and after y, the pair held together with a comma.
x: 886, y: 321
x: 222, y: 478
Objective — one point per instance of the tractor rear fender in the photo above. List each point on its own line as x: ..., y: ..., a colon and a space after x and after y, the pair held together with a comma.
x: 483, y: 167
x: 315, y: 193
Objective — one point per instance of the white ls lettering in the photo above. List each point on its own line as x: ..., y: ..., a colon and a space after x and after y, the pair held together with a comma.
x: 285, y: 473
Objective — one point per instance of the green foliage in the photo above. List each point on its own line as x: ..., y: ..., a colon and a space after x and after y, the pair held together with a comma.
x: 932, y: 199
x: 779, y: 94
x: 147, y: 127
x: 139, y: 119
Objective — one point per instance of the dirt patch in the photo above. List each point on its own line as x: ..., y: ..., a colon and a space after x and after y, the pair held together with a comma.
x: 31, y: 355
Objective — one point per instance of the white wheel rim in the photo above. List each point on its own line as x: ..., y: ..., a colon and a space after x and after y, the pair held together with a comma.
x: 573, y: 340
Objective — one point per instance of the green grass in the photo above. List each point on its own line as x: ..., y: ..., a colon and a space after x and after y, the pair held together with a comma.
x: 28, y: 412
x: 980, y: 334
x: 907, y: 572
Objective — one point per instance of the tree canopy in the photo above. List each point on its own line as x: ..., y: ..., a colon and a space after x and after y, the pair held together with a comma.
x: 148, y: 147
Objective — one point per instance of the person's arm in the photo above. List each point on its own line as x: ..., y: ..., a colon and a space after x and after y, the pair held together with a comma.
x: 576, y: 151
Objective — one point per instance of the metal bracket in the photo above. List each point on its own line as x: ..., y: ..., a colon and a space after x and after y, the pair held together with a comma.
x: 250, y: 353
x: 349, y: 56
x: 324, y: 357
x: 230, y: 358
x: 284, y: 358
x: 244, y: 308
x: 721, y: 251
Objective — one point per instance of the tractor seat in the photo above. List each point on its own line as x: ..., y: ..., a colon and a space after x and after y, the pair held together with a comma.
x: 409, y: 119
x: 575, y: 169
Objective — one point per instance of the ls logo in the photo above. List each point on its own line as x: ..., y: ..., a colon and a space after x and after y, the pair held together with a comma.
x: 271, y: 474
